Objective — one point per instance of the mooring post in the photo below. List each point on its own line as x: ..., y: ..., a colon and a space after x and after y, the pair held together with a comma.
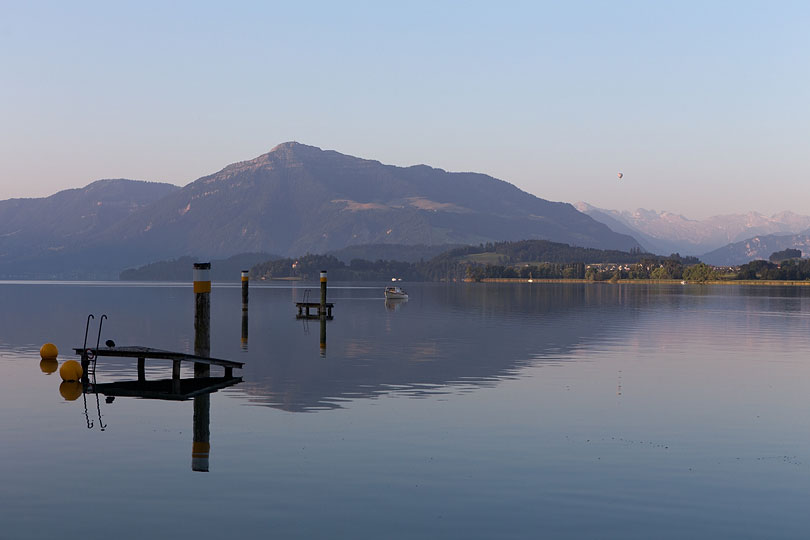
x: 141, y: 369
x: 245, y: 281
x: 201, y: 445
x: 323, y: 293
x: 202, y: 316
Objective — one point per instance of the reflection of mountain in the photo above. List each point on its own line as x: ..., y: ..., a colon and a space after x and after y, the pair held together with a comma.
x: 443, y: 339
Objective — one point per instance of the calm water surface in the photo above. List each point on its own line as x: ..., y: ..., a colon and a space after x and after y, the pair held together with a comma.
x: 470, y: 411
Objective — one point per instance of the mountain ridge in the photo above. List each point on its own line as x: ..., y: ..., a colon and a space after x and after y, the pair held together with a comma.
x: 757, y: 247
x: 664, y: 231
x: 61, y: 222
x: 357, y: 201
x: 296, y: 199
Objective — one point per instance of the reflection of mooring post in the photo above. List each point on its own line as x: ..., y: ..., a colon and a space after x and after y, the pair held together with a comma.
x: 323, y: 334
x: 244, y: 328
x: 323, y: 293
x: 245, y: 281
x: 201, y: 446
x: 202, y: 316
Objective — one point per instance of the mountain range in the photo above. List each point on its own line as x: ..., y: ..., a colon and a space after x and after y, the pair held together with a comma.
x: 42, y: 237
x: 292, y: 200
x: 757, y: 247
x: 722, y: 237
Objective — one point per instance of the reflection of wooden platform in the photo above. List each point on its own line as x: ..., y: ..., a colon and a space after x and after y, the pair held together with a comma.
x: 168, y: 389
x: 304, y: 307
x: 142, y: 353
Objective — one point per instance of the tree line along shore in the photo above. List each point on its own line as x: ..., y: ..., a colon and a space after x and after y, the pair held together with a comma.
x: 523, y: 261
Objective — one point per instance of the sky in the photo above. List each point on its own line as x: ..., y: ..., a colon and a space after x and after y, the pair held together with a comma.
x: 704, y: 106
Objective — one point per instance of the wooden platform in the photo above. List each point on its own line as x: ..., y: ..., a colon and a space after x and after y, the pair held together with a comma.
x: 304, y: 307
x: 142, y: 353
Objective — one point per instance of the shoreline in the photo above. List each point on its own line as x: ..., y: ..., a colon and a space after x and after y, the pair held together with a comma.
x: 763, y: 282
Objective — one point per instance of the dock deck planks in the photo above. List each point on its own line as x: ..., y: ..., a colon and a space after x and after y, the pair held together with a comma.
x: 148, y: 352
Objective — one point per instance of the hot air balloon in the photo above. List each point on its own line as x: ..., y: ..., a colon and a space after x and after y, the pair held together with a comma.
x: 620, y: 175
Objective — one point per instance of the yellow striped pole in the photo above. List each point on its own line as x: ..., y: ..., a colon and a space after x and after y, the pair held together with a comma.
x: 323, y: 293
x: 245, y: 281
x: 202, y: 278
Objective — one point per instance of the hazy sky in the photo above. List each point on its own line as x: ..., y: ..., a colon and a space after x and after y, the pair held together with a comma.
x: 705, y: 106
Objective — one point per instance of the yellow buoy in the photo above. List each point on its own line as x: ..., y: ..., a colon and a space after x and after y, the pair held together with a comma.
x: 49, y: 350
x: 70, y: 390
x: 71, y: 371
x: 48, y: 365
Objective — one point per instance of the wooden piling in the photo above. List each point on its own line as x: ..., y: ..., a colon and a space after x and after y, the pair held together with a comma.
x: 323, y: 291
x: 245, y: 281
x: 201, y: 445
x: 202, y: 316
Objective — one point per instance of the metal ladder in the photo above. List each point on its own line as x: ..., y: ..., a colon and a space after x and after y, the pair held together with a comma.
x: 91, y: 368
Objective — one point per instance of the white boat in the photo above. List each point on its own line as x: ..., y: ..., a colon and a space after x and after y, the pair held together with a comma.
x: 395, y: 293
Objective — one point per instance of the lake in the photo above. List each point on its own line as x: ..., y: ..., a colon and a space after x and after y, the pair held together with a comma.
x: 469, y: 411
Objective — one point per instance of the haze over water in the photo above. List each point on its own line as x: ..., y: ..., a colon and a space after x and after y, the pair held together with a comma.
x: 470, y: 411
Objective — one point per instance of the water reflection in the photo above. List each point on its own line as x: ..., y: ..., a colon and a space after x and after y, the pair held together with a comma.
x: 452, y: 338
x: 599, y: 407
x: 322, y: 324
x: 201, y: 446
x: 445, y: 339
x: 394, y: 304
x: 48, y: 365
x: 197, y: 388
x: 243, y: 342
x: 70, y: 390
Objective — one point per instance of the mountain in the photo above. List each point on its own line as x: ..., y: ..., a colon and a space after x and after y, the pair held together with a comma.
x: 757, y: 247
x: 39, y: 230
x: 298, y: 199
x: 667, y: 232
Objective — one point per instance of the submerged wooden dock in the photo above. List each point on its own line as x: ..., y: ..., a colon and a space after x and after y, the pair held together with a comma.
x: 165, y: 389
x: 142, y: 353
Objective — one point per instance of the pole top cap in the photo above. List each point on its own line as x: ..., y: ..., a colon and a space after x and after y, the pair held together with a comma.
x: 202, y: 266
